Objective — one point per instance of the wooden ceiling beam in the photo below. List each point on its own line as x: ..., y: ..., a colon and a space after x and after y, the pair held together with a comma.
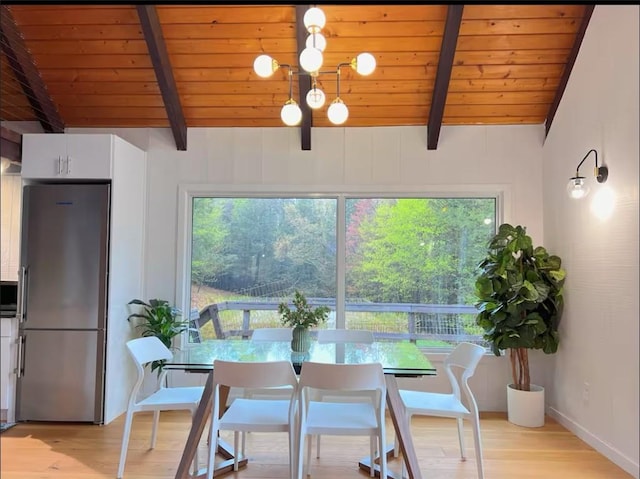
x: 27, y: 74
x: 443, y: 75
x: 304, y: 81
x: 588, y: 11
x: 10, y: 144
x: 152, y: 32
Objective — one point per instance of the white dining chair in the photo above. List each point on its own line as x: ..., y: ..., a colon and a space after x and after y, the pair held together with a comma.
x: 365, y: 418
x: 342, y: 336
x: 252, y: 414
x: 267, y: 335
x: 465, y: 357
x: 144, y: 351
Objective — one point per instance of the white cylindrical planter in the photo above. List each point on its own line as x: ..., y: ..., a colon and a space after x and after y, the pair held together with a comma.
x: 526, y: 408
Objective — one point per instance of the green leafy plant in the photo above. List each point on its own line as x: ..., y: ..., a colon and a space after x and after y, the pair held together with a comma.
x: 159, y: 319
x: 520, y: 299
x: 302, y: 315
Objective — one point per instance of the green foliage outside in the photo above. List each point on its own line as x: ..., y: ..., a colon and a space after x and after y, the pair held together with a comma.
x: 408, y: 250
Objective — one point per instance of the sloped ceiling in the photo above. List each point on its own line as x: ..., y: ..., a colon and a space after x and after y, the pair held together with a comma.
x: 185, y: 66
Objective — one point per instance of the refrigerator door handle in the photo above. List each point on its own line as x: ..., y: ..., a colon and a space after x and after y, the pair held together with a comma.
x: 59, y: 165
x: 20, y: 366
x: 22, y: 280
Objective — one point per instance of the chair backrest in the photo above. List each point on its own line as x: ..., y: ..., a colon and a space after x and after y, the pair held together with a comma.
x: 343, y: 377
x: 148, y: 349
x: 465, y: 356
x: 257, y: 374
x: 345, y: 336
x: 143, y: 351
x: 272, y: 334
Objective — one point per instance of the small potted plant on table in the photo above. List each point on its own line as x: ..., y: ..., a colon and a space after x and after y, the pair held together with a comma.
x: 301, y: 317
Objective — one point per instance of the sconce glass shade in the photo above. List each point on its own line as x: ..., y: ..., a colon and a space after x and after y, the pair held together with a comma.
x: 314, y: 20
x: 311, y: 59
x: 291, y: 113
x: 364, y: 64
x: 316, y: 40
x: 315, y: 98
x: 265, y: 66
x: 577, y: 188
x: 338, y: 112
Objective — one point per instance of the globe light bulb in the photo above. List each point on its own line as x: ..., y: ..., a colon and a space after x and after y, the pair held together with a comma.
x: 315, y: 98
x: 265, y: 66
x: 311, y: 59
x: 577, y: 188
x: 316, y: 40
x: 338, y: 112
x: 364, y: 64
x: 314, y: 20
x: 291, y: 113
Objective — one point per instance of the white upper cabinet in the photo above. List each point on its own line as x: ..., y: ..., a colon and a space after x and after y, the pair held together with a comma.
x: 66, y: 156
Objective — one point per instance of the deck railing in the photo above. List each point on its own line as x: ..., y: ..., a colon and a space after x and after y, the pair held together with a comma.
x: 417, y: 315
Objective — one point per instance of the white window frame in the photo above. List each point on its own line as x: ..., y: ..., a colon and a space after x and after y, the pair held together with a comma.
x: 186, y: 192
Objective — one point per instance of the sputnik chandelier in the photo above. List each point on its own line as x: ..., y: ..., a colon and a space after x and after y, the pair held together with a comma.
x: 311, y: 63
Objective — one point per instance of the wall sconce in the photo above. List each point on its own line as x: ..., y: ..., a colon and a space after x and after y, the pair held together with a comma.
x: 311, y: 60
x: 577, y: 188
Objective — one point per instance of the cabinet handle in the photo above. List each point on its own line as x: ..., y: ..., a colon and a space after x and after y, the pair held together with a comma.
x: 20, y: 366
x: 68, y: 165
x: 22, y: 277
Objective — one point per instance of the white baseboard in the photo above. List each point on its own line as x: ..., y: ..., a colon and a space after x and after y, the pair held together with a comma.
x: 599, y: 445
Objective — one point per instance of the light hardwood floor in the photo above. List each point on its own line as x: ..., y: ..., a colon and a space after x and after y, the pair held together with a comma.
x: 71, y: 451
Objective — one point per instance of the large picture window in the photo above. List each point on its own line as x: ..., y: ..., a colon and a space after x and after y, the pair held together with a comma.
x: 403, y: 267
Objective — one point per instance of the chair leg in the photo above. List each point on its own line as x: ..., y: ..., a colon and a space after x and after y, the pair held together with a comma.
x: 308, y: 463
x: 236, y: 443
x: 213, y: 448
x: 154, y: 429
x: 318, y: 446
x: 382, y: 446
x: 461, y: 438
x: 300, y: 465
x: 477, y: 442
x: 125, y: 443
x: 195, y: 454
x: 372, y: 453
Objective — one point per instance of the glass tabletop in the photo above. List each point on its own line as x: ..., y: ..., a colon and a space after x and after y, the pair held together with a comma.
x: 397, y: 358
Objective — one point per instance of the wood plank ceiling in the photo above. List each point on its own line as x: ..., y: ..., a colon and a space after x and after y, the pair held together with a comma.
x: 507, y: 66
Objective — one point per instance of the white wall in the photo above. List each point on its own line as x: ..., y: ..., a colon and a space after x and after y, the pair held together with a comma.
x: 504, y: 159
x: 599, y: 329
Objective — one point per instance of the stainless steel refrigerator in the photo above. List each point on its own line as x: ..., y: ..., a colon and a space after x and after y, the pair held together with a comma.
x: 62, y: 304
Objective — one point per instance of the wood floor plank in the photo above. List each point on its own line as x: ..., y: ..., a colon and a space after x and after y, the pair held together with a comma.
x: 72, y: 451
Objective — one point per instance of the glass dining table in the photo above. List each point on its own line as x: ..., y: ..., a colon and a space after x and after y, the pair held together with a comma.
x: 398, y: 359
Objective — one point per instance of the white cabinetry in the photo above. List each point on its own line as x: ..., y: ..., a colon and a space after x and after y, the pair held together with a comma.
x: 7, y: 365
x: 67, y: 156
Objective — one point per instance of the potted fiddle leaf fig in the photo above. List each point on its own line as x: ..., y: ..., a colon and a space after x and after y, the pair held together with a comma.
x: 520, y: 289
x: 158, y: 318
x: 301, y: 317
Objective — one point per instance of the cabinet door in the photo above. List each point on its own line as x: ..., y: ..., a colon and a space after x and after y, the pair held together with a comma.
x: 43, y: 155
x: 88, y: 156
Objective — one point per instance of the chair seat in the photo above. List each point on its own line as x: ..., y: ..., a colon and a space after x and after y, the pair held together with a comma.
x: 433, y: 404
x: 336, y: 418
x: 172, y: 399
x: 256, y: 415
